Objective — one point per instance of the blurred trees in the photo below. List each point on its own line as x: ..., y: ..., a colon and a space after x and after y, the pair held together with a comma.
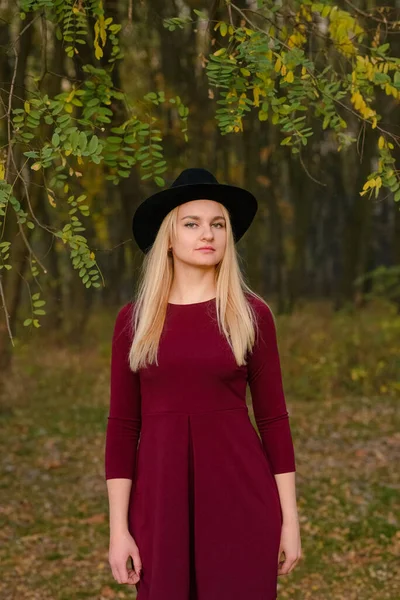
x: 297, y: 101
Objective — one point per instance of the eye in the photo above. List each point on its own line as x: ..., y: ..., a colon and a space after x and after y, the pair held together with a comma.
x: 221, y: 225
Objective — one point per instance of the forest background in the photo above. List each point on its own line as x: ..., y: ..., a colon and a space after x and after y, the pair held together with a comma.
x: 103, y: 103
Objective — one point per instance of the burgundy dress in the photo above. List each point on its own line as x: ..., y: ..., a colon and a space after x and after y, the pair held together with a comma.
x: 204, y: 507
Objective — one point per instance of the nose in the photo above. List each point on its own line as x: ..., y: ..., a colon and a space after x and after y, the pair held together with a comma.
x: 208, y: 233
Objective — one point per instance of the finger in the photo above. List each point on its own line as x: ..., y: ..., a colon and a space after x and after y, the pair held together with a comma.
x: 116, y: 575
x: 133, y: 577
x: 137, y: 563
x: 286, y: 566
x: 122, y: 572
x: 279, y: 556
x: 294, y: 564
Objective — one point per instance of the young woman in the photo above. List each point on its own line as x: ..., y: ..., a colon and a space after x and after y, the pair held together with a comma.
x: 202, y: 506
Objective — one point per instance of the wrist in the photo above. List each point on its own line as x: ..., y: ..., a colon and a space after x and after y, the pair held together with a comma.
x: 118, y: 528
x: 290, y: 519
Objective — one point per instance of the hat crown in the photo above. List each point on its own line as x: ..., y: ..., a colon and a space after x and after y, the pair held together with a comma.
x: 194, y: 175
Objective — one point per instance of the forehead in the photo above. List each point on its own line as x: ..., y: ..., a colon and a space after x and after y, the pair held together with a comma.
x: 201, y: 207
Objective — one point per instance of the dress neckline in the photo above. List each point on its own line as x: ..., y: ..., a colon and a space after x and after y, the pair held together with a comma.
x: 193, y: 303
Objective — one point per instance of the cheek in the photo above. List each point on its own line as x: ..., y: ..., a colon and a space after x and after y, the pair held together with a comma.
x: 185, y: 240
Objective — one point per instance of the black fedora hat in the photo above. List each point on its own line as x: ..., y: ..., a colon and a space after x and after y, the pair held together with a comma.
x: 192, y: 184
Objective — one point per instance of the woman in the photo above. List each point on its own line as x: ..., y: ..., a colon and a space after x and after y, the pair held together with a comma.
x: 202, y: 506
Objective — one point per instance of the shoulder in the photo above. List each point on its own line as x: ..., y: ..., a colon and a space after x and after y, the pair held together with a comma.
x: 123, y: 321
x: 260, y: 307
x: 125, y: 311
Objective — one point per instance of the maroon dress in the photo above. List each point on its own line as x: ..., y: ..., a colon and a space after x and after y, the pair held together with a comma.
x: 204, y: 507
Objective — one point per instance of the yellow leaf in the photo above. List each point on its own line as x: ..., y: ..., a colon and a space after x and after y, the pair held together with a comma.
x: 278, y: 65
x: 68, y: 152
x: 219, y: 52
x: 245, y: 72
x: 290, y: 77
x: 51, y: 200
x: 71, y: 95
x: 98, y: 52
x: 103, y: 33
x: 27, y: 107
x: 367, y: 185
x: 381, y: 142
x: 2, y: 171
x: 256, y: 94
x: 92, y: 255
x: 66, y: 188
x: 223, y: 29
x: 36, y: 167
x: 80, y: 160
x: 283, y: 70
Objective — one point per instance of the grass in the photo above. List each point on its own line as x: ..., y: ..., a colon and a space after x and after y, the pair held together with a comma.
x: 345, y: 425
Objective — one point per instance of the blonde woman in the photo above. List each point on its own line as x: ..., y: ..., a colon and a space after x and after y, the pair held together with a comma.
x: 202, y: 505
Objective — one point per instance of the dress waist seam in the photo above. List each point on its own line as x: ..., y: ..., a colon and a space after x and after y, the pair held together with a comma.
x: 175, y: 412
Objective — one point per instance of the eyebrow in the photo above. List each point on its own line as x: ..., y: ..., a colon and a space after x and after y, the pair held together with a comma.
x: 196, y: 218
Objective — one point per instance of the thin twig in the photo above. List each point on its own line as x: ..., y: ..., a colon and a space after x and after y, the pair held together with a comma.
x: 7, y: 316
x: 315, y: 79
x: 12, y: 45
x: 308, y: 173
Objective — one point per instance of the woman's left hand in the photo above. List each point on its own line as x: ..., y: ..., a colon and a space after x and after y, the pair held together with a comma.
x: 290, y: 545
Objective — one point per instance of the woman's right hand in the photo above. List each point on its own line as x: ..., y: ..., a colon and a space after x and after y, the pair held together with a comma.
x: 122, y: 546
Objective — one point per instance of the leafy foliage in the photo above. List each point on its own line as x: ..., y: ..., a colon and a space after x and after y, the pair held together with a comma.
x: 83, y: 131
x: 270, y: 69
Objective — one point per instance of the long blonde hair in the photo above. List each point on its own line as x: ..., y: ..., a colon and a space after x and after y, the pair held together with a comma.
x: 236, y: 316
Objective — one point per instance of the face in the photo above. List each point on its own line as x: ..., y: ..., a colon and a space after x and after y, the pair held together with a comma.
x: 200, y: 224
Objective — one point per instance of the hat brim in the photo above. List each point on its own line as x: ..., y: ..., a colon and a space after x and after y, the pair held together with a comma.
x: 240, y: 203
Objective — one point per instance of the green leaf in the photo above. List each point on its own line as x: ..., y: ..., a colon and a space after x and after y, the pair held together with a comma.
x: 82, y: 141
x: 39, y: 303
x: 55, y: 140
x: 93, y: 144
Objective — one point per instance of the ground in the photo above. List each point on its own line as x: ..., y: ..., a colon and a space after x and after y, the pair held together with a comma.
x: 54, y: 508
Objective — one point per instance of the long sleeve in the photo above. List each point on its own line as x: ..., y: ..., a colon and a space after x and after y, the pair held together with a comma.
x: 265, y: 381
x: 124, y: 418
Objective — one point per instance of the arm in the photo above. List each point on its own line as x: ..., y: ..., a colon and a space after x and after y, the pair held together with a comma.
x: 268, y: 399
x: 124, y: 423
x: 272, y: 419
x: 123, y: 430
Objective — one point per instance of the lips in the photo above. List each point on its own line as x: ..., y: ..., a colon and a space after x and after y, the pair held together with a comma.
x: 206, y: 248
